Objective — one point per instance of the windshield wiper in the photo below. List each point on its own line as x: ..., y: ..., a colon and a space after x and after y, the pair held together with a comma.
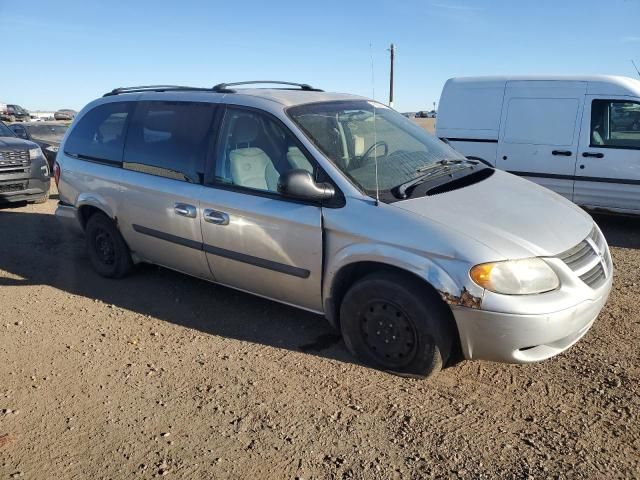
x: 444, y: 163
x: 432, y: 171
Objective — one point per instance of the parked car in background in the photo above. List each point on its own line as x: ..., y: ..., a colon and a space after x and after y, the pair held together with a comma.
x: 65, y: 114
x: 14, y: 113
x: 47, y: 135
x: 339, y: 205
x: 24, y: 171
x: 578, y: 136
x: 422, y: 114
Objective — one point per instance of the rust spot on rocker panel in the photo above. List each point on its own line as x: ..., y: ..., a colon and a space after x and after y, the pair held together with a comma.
x: 464, y: 300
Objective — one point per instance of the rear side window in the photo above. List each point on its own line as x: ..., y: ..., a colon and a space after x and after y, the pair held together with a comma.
x: 169, y: 139
x: 541, y: 121
x: 100, y: 134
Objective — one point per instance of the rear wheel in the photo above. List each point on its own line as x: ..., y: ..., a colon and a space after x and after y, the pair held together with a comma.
x: 107, y: 250
x: 392, y: 322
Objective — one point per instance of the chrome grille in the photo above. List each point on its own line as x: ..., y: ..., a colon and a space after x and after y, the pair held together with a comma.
x: 590, y: 259
x: 12, y: 187
x: 14, y: 161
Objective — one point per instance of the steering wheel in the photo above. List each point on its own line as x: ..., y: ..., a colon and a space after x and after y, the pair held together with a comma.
x: 373, y: 147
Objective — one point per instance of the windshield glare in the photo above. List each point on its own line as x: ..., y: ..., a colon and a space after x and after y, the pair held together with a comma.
x: 5, y: 131
x: 356, y: 134
x: 47, y: 130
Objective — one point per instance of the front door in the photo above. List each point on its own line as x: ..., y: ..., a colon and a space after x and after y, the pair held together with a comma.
x: 539, y: 132
x: 255, y: 239
x: 608, y: 173
x: 162, y: 172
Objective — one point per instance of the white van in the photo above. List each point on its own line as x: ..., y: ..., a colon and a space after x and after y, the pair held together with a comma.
x: 578, y: 136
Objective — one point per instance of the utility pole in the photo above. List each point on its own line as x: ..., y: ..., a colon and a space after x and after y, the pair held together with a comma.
x: 392, y: 50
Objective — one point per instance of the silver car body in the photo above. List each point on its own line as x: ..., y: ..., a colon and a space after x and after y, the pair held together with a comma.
x: 297, y: 254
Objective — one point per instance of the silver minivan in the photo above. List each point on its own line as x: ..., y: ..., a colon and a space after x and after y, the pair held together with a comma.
x: 339, y: 205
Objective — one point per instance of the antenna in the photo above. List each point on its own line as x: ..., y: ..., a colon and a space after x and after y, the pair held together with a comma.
x: 392, y: 51
x: 636, y: 67
x: 375, y: 132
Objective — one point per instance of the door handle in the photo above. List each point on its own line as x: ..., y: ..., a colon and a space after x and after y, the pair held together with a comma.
x: 185, y: 210
x: 564, y: 153
x: 591, y: 154
x: 216, y: 217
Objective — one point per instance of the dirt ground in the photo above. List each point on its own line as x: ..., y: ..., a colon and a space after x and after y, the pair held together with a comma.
x: 162, y: 374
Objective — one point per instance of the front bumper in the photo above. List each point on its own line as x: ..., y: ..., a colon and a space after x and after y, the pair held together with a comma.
x: 518, y: 338
x: 34, y: 190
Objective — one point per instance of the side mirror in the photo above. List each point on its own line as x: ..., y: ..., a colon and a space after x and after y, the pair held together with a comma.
x: 299, y: 183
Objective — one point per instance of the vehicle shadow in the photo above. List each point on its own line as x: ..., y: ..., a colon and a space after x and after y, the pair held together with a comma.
x: 8, y: 206
x: 620, y: 231
x: 36, y: 250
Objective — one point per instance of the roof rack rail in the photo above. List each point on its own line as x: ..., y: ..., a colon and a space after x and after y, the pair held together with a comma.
x: 154, y: 88
x: 224, y: 87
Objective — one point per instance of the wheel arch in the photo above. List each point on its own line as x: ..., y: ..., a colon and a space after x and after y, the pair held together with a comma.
x: 89, y: 205
x: 342, y: 276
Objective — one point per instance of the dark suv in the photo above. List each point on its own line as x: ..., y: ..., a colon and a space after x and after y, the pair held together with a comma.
x: 46, y: 134
x: 14, y: 113
x: 24, y: 171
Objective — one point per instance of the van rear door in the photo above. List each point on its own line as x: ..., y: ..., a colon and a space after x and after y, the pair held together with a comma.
x: 608, y: 173
x: 540, y: 130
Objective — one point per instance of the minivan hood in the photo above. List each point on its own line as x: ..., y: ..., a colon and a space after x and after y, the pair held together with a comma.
x: 512, y: 216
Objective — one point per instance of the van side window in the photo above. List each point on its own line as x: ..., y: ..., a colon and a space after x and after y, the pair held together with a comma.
x: 528, y: 121
x: 99, y: 135
x: 169, y: 139
x: 615, y: 123
x: 254, y: 150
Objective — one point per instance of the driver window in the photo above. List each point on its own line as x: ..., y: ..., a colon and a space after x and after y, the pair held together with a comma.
x: 254, y: 150
x: 615, y: 124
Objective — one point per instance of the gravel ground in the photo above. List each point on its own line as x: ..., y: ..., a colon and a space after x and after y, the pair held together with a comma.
x: 162, y: 374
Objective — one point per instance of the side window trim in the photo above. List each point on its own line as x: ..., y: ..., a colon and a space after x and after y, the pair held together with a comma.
x: 608, y: 102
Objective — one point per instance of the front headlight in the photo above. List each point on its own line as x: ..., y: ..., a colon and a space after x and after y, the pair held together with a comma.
x: 52, y: 148
x: 35, y: 153
x: 516, y: 277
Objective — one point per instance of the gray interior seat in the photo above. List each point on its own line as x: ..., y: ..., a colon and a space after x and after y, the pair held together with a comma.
x: 250, y: 166
x: 297, y: 159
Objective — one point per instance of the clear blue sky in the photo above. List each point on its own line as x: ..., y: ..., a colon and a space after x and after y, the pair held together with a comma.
x: 64, y: 53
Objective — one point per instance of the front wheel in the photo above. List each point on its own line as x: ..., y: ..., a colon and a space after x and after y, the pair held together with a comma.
x: 107, y: 250
x: 394, y: 323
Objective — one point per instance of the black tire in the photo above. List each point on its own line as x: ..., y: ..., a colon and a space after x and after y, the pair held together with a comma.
x: 43, y: 198
x: 107, y: 250
x: 393, y: 323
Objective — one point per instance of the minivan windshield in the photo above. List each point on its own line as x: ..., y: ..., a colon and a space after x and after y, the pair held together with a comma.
x: 355, y: 135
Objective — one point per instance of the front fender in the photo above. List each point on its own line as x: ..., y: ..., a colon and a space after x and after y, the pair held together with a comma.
x: 449, y: 276
x: 420, y: 266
